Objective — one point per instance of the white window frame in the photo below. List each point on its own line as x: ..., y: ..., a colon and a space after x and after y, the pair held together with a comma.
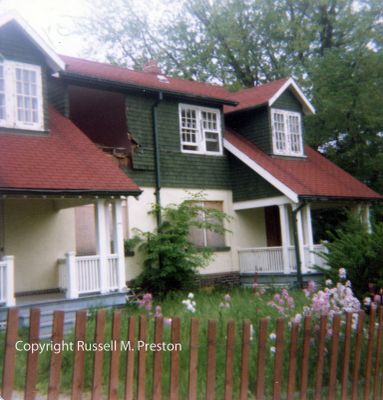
x: 11, y: 117
x: 200, y: 131
x: 288, y: 150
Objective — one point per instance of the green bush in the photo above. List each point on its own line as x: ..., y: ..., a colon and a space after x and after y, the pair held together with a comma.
x: 352, y: 247
x: 171, y: 261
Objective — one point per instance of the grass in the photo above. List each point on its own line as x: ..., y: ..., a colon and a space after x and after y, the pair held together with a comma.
x: 245, y: 305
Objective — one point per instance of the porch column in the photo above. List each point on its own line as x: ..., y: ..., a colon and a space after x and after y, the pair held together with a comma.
x: 285, y: 234
x: 101, y: 243
x: 366, y: 217
x: 118, y: 242
x: 10, y: 281
x: 72, y: 279
x: 301, y: 241
x: 309, y: 233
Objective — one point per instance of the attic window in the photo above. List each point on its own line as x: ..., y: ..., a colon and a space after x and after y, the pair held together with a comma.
x: 20, y: 96
x: 287, y: 133
x: 200, y: 130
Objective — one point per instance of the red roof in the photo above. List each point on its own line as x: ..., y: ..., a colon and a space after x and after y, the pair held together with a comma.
x: 64, y: 160
x: 112, y: 73
x: 255, y: 96
x: 313, y: 176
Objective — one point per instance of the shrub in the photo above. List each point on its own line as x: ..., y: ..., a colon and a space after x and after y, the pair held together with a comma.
x: 171, y: 261
x: 359, y: 252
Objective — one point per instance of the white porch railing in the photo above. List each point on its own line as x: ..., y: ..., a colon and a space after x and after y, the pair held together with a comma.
x: 266, y: 260
x: 88, y: 277
x: 7, y: 289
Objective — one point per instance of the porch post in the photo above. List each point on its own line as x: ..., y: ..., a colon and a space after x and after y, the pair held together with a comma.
x: 285, y: 233
x: 309, y: 232
x: 101, y: 243
x: 301, y: 242
x: 72, y: 288
x: 10, y: 281
x: 118, y: 242
x: 366, y: 217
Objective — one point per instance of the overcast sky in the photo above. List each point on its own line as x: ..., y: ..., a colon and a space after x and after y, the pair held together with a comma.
x: 52, y: 19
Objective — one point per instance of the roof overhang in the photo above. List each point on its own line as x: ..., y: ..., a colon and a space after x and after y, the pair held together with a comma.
x: 284, y: 189
x: 308, y: 108
x: 52, y: 59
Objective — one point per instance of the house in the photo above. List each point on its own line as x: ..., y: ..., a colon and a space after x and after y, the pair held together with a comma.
x: 86, y: 148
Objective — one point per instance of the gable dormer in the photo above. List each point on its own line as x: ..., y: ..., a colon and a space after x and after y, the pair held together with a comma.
x: 271, y: 117
x: 25, y: 62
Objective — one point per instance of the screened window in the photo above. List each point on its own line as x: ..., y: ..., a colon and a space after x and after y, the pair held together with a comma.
x: 200, y: 130
x: 203, y: 237
x: 20, y: 96
x: 287, y: 132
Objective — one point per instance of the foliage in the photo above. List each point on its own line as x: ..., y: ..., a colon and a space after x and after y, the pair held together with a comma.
x: 359, y: 252
x: 171, y: 260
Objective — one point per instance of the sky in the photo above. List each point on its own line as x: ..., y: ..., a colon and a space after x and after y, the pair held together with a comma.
x: 53, y: 20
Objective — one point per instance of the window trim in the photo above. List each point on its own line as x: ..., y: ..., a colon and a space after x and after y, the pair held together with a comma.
x: 200, y: 132
x: 287, y: 133
x: 10, y: 91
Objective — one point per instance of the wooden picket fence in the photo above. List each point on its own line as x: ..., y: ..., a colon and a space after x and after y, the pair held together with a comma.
x: 347, y: 365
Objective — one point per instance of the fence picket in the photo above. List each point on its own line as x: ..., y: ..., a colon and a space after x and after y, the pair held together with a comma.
x: 10, y: 353
x: 378, y: 357
x: 291, y: 380
x: 115, y: 356
x: 175, y: 360
x: 157, y: 360
x: 211, y: 360
x: 305, y: 357
x: 334, y: 357
x: 278, y: 360
x: 129, y: 370
x: 357, y: 357
x: 56, y: 357
x: 228, y: 394
x: 141, y: 377
x: 98, y: 358
x: 346, y: 355
x: 320, y: 358
x: 245, y: 357
x: 261, y: 359
x: 79, y: 356
x: 193, y: 359
x: 32, y: 357
x: 370, y: 347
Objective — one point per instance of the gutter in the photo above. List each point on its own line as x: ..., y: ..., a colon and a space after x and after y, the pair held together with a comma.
x: 69, y: 192
x: 296, y: 245
x: 157, y: 157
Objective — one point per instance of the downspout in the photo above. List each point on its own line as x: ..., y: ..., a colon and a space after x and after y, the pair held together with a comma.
x: 157, y: 165
x: 296, y: 245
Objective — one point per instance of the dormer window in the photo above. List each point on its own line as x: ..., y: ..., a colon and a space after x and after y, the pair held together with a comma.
x: 20, y: 96
x: 200, y: 130
x: 287, y: 133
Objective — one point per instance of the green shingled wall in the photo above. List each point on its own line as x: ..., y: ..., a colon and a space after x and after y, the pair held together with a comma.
x: 16, y: 46
x: 248, y: 185
x: 287, y: 101
x: 177, y: 169
x: 58, y: 96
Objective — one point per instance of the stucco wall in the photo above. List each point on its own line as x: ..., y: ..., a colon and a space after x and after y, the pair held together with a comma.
x: 37, y: 234
x: 138, y: 217
x: 249, y: 226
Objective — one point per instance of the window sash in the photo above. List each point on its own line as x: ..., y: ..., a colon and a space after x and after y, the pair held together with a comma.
x: 287, y: 132
x: 200, y: 130
x: 21, y: 98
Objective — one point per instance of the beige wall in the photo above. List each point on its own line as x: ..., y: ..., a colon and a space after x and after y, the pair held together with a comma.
x: 37, y: 234
x: 247, y: 227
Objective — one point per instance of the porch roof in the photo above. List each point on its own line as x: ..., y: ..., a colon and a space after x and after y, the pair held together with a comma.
x: 61, y: 161
x: 311, y: 177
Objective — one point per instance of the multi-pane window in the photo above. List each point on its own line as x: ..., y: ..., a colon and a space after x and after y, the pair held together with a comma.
x: 287, y: 132
x: 200, y: 130
x: 203, y: 237
x: 20, y: 96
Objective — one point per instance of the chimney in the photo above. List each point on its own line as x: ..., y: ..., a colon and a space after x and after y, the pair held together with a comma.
x: 151, y: 67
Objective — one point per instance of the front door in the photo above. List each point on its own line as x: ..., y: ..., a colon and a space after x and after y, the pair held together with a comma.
x: 273, y: 226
